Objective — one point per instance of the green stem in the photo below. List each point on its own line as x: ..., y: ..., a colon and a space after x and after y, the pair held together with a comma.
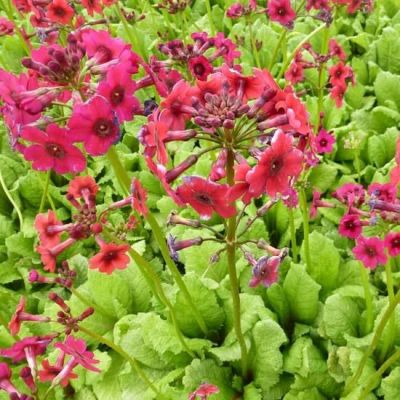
x: 231, y: 255
x: 298, y: 47
x: 160, y: 237
x: 369, y: 321
x: 157, y: 283
x: 306, y: 226
x: 134, y: 363
x: 378, y: 374
x: 282, y: 37
x: 253, y: 43
x: 12, y: 201
x: 293, y: 241
x: 210, y: 19
x: 390, y: 337
x: 45, y: 190
x: 375, y: 340
x: 124, y: 180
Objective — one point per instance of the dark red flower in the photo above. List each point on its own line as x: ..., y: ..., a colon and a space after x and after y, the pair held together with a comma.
x: 200, y: 67
x: 205, y: 197
x: 110, y: 258
x: 276, y: 166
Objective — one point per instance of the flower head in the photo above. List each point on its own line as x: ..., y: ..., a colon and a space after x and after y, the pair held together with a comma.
x: 370, y: 251
x: 60, y: 11
x: 48, y: 227
x: 205, y: 197
x: 281, y: 11
x: 139, y: 197
x: 94, y: 123
x: 200, y: 67
x: 392, y: 243
x: 82, y: 186
x: 203, y: 391
x: 350, y: 226
x: 52, y: 149
x: 110, y: 258
x: 265, y: 271
x: 324, y: 142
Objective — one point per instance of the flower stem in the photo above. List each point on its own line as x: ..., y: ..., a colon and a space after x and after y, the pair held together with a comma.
x: 253, y: 43
x: 306, y: 227
x: 231, y: 255
x: 12, y: 201
x: 368, y: 299
x: 373, y: 378
x: 282, y: 37
x: 298, y: 47
x: 45, y: 190
x: 124, y: 180
x: 375, y: 340
x: 210, y: 19
x: 134, y: 363
x: 295, y: 251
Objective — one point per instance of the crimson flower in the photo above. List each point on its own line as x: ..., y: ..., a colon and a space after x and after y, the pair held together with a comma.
x: 392, y: 243
x: 276, y: 166
x: 94, y: 124
x: 339, y: 73
x: 60, y: 11
x: 200, y: 67
x: 118, y: 88
x: 92, y: 6
x: 324, y: 142
x: 350, y: 226
x: 337, y: 93
x: 110, y: 258
x: 205, y: 197
x: 139, y: 197
x: 370, y: 251
x: 46, y: 225
x: 76, y: 348
x: 281, y: 11
x: 295, y: 73
x: 241, y: 187
x: 265, y: 271
x: 52, y: 150
x: 336, y: 50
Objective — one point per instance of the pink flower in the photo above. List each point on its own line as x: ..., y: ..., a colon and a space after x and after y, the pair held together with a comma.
x: 350, y: 194
x: 295, y: 73
x: 82, y: 187
x: 350, y: 226
x: 153, y: 136
x: 281, y: 11
x: 324, y: 142
x: 60, y: 11
x: 203, y: 391
x: 50, y: 372
x: 265, y: 271
x: 118, y: 89
x: 392, y: 243
x: 52, y: 150
x: 139, y: 197
x: 76, y: 348
x: 48, y: 227
x: 94, y: 124
x: 15, y: 323
x: 5, y: 379
x: 6, y: 27
x: 276, y: 166
x: 339, y: 73
x: 370, y: 251
x: 335, y: 50
x: 383, y: 191
x: 110, y: 258
x: 48, y: 255
x: 337, y: 94
x: 241, y: 187
x: 92, y: 6
x: 205, y: 197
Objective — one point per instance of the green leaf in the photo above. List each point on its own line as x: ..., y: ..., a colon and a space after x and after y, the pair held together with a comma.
x: 382, y: 148
x: 325, y: 259
x: 340, y: 316
x: 268, y: 359
x: 206, y: 302
x: 388, y: 50
x: 387, y: 87
x: 390, y: 386
x: 20, y: 245
x: 302, y: 294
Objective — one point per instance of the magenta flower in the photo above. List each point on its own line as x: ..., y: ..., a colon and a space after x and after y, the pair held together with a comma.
x: 370, y: 251
x: 200, y: 67
x: 118, y: 89
x: 350, y: 226
x: 383, y: 191
x: 281, y: 11
x: 5, y: 379
x: 52, y: 150
x: 205, y: 197
x: 392, y: 243
x: 76, y: 348
x: 350, y: 194
x: 94, y: 123
x: 324, y: 142
x: 265, y: 271
x: 203, y: 391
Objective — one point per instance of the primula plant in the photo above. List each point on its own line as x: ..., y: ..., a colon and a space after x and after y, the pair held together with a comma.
x: 199, y: 200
